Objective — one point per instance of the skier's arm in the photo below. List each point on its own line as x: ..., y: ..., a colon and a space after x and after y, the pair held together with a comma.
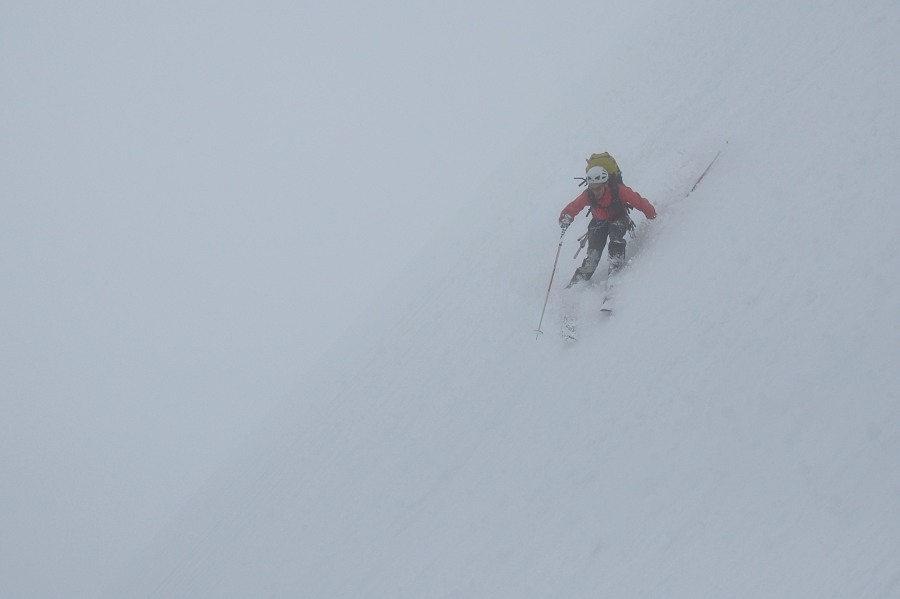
x: 575, y: 207
x: 635, y: 199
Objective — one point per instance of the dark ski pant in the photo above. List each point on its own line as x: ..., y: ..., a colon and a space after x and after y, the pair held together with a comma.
x: 598, y: 231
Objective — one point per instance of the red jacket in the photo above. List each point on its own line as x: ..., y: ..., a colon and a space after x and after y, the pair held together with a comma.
x: 604, y: 208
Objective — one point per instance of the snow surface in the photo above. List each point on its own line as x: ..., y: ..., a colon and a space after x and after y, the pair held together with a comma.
x: 733, y: 430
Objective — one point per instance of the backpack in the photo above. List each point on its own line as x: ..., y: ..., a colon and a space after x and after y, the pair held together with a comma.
x: 606, y: 160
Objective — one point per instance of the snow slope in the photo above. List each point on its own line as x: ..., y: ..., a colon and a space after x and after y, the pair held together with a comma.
x: 196, y: 198
x: 733, y: 431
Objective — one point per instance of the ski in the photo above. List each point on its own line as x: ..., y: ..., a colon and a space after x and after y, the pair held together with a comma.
x: 569, y: 316
x: 606, y: 306
x: 568, y: 330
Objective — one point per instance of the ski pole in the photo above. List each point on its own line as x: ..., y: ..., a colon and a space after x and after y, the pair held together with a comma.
x: 552, y: 274
x: 706, y: 170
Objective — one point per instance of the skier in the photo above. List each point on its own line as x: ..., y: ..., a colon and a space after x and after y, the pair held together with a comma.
x: 608, y: 200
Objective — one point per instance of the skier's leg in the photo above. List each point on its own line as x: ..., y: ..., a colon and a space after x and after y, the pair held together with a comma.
x: 597, y: 234
x: 618, y: 227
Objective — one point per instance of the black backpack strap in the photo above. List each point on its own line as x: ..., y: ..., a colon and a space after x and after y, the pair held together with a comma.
x: 614, y: 190
x: 592, y: 197
x: 616, y: 200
